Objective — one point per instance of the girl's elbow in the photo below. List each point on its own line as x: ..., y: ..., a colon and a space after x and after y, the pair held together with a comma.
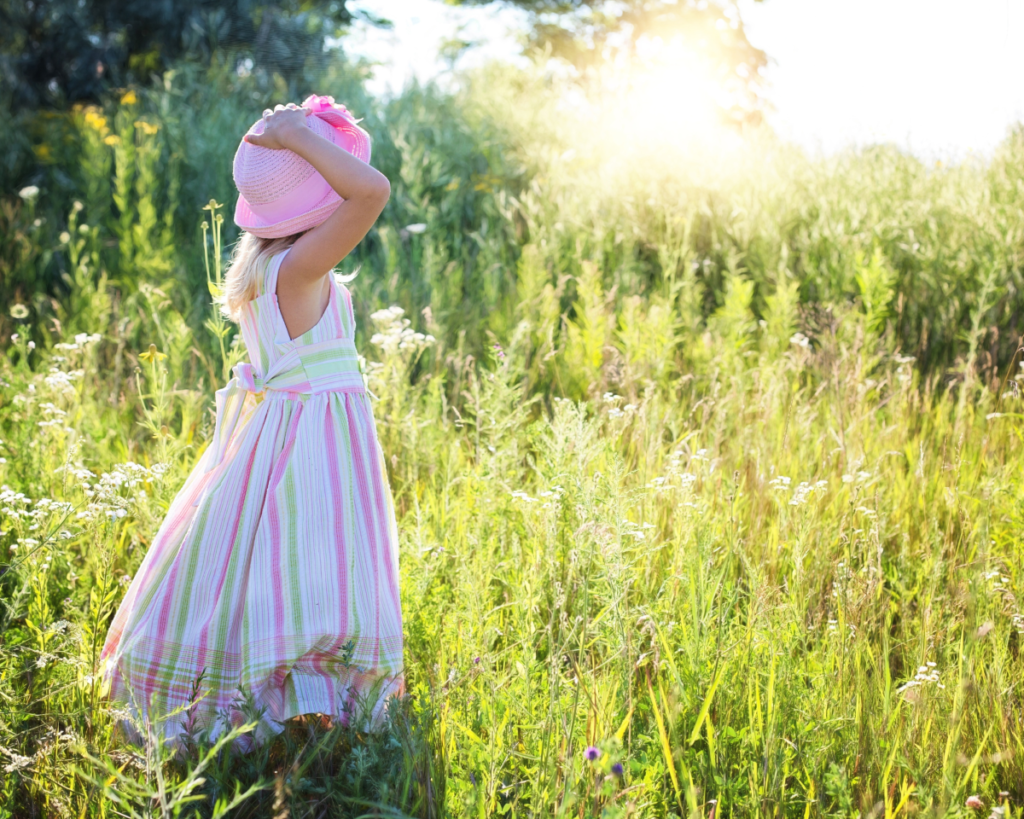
x: 382, y: 190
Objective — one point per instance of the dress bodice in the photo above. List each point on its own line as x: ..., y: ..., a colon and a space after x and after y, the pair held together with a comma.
x: 263, y: 329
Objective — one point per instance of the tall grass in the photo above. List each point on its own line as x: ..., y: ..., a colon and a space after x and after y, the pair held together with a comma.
x: 706, y: 481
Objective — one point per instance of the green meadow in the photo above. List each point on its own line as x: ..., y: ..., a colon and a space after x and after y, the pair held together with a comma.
x: 706, y: 465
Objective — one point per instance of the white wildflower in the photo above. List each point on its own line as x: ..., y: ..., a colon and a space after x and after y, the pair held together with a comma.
x: 394, y: 332
x: 926, y: 674
x: 801, y: 494
x: 18, y: 762
x: 63, y: 381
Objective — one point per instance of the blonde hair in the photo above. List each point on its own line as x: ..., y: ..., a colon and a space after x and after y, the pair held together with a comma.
x: 248, y: 264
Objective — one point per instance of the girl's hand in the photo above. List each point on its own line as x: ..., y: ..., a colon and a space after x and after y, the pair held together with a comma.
x: 282, y: 124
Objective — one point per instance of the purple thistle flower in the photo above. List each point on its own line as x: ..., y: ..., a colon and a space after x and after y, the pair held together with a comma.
x: 617, y: 769
x: 591, y: 753
x: 476, y: 661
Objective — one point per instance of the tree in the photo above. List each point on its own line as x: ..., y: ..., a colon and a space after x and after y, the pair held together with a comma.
x: 586, y: 33
x: 56, y: 52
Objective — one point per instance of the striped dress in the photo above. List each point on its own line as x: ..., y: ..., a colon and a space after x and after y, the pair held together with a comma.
x: 275, y: 572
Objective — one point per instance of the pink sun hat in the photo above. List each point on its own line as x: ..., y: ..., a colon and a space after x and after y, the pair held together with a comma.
x: 279, y: 192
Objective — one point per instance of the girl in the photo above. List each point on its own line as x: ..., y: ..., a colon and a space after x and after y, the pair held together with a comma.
x: 275, y: 573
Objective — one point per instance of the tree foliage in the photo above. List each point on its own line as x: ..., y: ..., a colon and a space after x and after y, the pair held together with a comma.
x: 586, y: 33
x: 56, y: 52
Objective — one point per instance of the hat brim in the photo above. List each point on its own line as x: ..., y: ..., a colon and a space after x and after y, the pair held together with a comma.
x: 345, y: 134
x: 251, y: 223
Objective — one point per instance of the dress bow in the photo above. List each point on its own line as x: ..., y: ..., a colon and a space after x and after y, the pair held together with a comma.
x: 248, y: 378
x: 230, y: 400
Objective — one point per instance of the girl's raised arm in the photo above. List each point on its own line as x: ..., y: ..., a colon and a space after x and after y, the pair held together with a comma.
x: 364, y: 189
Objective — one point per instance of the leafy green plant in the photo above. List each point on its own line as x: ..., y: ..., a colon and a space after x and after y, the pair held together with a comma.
x: 704, y: 470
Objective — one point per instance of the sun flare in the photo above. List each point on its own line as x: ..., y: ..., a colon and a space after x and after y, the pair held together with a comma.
x: 674, y: 99
x: 663, y: 105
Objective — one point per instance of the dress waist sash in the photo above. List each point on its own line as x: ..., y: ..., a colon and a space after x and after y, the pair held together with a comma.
x: 311, y: 369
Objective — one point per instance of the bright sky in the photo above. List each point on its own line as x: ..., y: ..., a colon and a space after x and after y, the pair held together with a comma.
x: 939, y: 77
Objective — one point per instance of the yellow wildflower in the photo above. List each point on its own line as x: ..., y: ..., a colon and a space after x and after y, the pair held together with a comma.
x: 113, y: 139
x: 147, y: 128
x: 95, y: 120
x: 129, y: 98
x: 152, y: 354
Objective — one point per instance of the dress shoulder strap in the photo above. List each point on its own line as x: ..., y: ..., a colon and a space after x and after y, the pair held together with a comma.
x: 346, y: 314
x: 272, y: 269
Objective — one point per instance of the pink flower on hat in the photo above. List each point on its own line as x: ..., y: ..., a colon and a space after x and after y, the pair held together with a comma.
x: 317, y: 104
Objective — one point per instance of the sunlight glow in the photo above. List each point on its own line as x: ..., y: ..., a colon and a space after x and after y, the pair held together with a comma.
x: 663, y: 105
x: 672, y: 97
